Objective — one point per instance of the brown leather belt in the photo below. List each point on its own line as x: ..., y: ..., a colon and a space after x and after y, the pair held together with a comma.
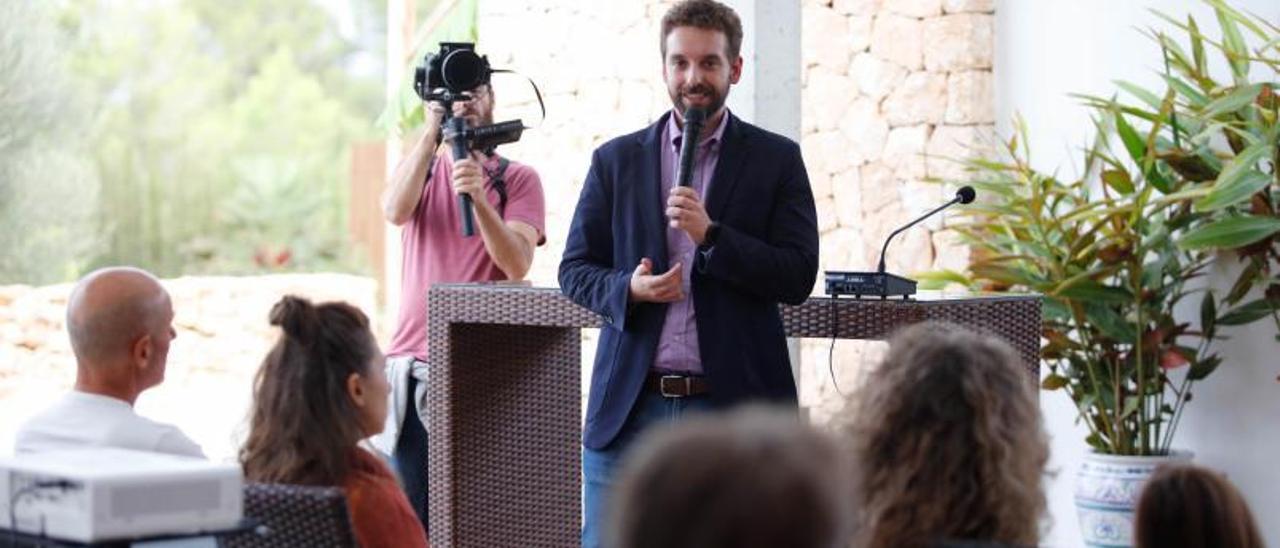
x: 676, y: 386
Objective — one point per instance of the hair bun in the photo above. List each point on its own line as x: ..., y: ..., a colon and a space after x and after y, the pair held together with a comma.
x: 296, y: 315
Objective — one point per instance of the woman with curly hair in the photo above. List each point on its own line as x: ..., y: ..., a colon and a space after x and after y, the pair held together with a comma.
x: 320, y: 391
x: 948, y: 442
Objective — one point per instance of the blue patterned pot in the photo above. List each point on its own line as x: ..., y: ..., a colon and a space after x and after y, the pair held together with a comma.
x: 1107, y: 490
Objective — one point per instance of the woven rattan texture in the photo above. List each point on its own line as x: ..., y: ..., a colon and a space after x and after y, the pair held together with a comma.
x: 505, y: 397
x: 505, y: 462
x: 294, y: 516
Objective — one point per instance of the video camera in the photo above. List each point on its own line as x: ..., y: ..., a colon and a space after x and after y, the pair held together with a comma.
x: 448, y: 76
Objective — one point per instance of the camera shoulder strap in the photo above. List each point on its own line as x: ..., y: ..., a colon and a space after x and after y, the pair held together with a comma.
x: 498, y: 179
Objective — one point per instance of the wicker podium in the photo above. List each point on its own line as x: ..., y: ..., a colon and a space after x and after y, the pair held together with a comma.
x: 506, y: 397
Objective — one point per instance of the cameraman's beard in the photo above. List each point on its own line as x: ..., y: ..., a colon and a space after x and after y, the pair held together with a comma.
x: 476, y: 118
x: 714, y: 99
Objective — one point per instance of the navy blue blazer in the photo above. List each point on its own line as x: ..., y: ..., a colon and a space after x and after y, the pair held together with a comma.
x: 766, y: 253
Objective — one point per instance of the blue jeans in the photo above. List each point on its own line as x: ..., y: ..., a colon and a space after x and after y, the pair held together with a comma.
x: 598, y: 466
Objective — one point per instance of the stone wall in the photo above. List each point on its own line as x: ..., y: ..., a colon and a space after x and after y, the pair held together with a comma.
x: 223, y: 335
x: 891, y: 89
x: 894, y: 91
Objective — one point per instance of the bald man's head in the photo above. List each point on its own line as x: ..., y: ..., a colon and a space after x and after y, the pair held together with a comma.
x: 119, y: 316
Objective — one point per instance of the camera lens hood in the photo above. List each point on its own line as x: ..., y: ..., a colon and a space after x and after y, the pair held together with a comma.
x: 463, y: 69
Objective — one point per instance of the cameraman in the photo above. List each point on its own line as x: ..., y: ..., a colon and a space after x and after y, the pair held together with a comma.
x: 422, y: 197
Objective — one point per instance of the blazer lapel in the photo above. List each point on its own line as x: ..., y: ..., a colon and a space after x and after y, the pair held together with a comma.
x: 733, y: 153
x: 652, y: 204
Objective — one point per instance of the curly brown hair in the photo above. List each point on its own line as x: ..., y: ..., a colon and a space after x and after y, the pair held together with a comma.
x: 948, y: 442
x: 704, y: 14
x: 304, y: 426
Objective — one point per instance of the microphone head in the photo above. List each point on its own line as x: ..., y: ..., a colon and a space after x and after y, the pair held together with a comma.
x: 966, y: 194
x: 694, y: 116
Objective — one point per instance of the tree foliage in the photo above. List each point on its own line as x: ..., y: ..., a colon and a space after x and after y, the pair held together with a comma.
x: 219, y: 134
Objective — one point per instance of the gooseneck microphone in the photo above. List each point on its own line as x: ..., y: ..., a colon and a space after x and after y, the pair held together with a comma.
x: 880, y: 283
x: 965, y: 195
x: 693, y: 120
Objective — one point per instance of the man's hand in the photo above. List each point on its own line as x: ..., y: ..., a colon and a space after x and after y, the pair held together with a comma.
x: 433, y: 113
x: 685, y: 211
x: 649, y: 288
x: 468, y: 177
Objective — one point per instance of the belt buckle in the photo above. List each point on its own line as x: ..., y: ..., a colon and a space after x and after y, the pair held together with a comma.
x: 662, y: 386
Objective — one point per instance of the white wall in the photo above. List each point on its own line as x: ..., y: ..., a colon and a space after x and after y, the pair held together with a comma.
x: 1045, y: 50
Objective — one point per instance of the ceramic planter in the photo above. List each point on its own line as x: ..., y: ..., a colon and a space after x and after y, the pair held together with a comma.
x: 1107, y: 490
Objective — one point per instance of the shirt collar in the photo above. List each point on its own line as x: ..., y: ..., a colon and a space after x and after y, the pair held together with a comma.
x: 97, y: 398
x: 675, y: 135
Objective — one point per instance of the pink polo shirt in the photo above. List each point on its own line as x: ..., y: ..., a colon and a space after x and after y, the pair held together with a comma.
x: 435, y: 251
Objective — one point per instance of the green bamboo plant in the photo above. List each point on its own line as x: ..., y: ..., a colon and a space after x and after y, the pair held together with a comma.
x: 1182, y: 178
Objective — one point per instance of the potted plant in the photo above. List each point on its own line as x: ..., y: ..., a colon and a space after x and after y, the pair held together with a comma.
x: 1184, y: 177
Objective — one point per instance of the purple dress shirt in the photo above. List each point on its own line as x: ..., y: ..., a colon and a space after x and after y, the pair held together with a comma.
x: 678, y: 342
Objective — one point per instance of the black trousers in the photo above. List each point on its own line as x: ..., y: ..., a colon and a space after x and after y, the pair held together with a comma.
x: 411, y: 456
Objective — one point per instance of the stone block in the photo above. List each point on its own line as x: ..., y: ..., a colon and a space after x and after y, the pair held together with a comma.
x: 831, y: 94
x: 899, y: 39
x: 846, y: 188
x: 968, y: 6
x: 950, y: 145
x: 865, y: 129
x: 857, y: 7
x: 814, y: 163
x: 859, y: 37
x: 875, y: 77
x: 922, y: 98
x: 957, y: 42
x: 948, y: 252
x: 819, y: 182
x: 824, y: 38
x: 879, y: 188
x: 919, y: 196
x: 904, y: 151
x: 915, y: 8
x: 971, y: 98
x: 830, y: 152
x: 826, y: 215
x: 911, y: 252
x: 842, y: 249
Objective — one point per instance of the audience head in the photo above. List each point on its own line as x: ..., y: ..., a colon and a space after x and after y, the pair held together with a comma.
x: 751, y: 478
x: 1184, y: 506
x: 120, y: 321
x: 320, y: 390
x: 948, y: 442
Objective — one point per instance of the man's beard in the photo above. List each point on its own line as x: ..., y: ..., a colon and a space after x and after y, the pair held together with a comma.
x: 477, y: 119
x: 714, y: 100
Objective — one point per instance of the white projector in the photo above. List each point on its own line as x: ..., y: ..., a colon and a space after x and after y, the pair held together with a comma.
x: 96, y: 494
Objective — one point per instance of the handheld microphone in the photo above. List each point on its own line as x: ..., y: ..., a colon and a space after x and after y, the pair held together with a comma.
x: 693, y: 119
x: 879, y: 282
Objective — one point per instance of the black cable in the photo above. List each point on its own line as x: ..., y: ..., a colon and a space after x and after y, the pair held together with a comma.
x: 835, y: 330
x: 16, y: 497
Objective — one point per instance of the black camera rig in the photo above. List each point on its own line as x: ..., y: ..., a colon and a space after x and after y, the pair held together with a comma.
x: 448, y: 76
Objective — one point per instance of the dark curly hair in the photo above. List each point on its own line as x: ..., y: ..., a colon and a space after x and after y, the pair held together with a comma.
x: 704, y: 14
x: 948, y: 442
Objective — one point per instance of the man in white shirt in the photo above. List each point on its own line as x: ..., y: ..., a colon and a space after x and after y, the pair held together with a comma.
x: 121, y: 323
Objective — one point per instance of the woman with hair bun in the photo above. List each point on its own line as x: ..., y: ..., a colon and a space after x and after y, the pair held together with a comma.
x: 320, y: 391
